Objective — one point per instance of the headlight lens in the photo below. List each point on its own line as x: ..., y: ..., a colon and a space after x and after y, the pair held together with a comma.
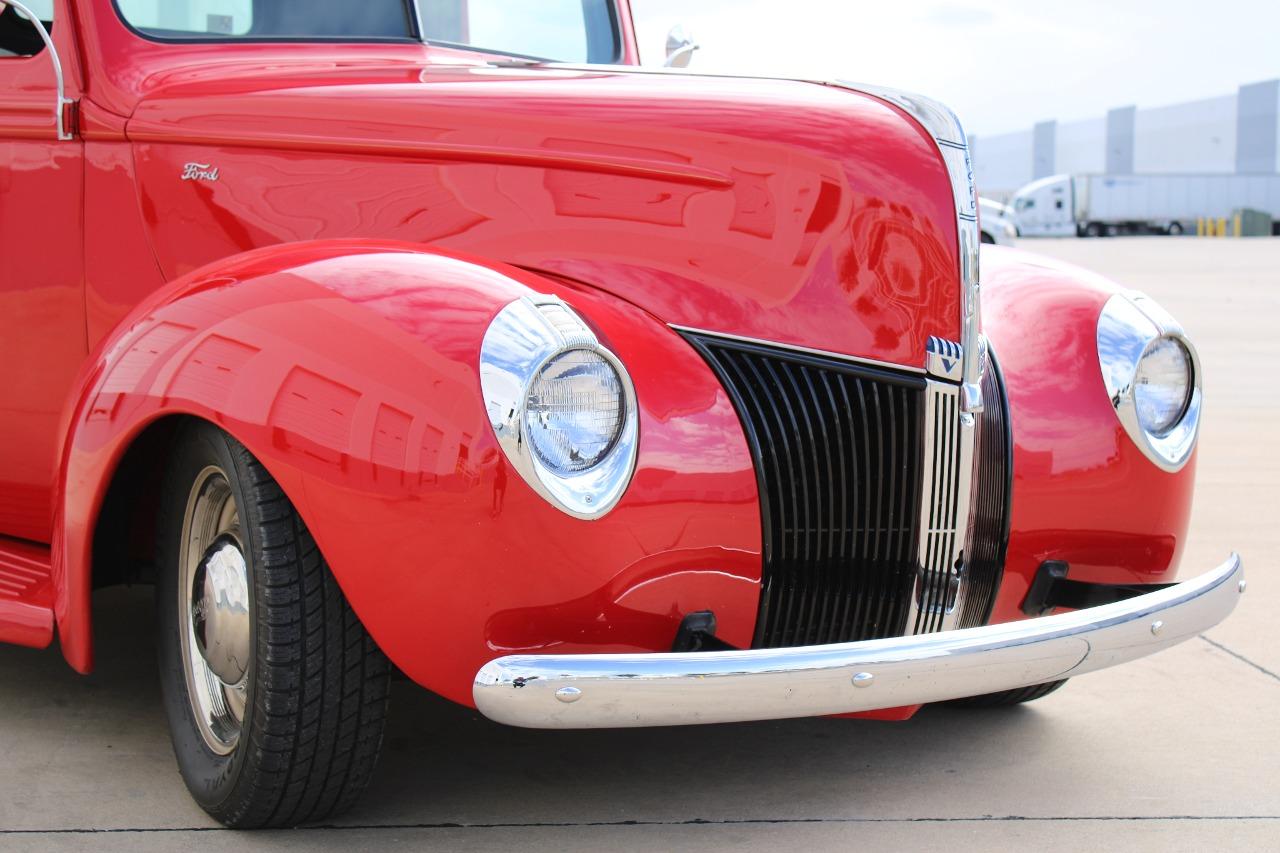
x: 574, y: 411
x: 1162, y: 385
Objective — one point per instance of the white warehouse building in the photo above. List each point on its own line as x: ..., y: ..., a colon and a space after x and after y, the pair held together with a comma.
x: 1232, y: 134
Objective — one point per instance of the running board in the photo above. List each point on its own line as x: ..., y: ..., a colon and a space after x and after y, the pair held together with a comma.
x: 26, y: 594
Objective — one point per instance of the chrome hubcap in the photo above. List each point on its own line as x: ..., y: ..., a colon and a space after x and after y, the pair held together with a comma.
x: 213, y: 607
x: 220, y: 610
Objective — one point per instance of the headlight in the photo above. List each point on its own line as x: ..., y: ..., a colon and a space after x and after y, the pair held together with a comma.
x: 561, y: 405
x: 1152, y: 376
x: 1162, y: 385
x: 574, y: 412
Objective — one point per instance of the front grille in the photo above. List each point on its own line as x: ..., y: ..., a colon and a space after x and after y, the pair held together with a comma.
x: 850, y: 460
x: 838, y: 454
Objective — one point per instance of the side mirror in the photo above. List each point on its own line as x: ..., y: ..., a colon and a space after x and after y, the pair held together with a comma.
x: 680, y: 48
x: 62, y: 109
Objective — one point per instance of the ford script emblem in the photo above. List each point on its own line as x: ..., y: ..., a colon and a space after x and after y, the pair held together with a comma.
x: 199, y: 172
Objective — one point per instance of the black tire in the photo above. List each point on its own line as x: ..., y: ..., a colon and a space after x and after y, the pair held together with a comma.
x: 1008, y: 697
x: 316, y: 687
x: 1095, y: 229
x: 1175, y: 229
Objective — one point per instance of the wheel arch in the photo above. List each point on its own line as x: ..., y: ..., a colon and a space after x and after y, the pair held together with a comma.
x: 122, y: 550
x: 174, y: 360
x: 123, y: 543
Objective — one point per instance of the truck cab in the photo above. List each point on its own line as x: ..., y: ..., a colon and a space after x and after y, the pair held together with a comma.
x: 433, y: 336
x: 1046, y: 207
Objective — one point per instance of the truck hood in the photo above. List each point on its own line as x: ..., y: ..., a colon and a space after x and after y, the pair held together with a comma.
x: 788, y: 211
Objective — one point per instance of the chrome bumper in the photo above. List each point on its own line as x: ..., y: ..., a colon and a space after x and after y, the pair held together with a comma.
x: 610, y: 691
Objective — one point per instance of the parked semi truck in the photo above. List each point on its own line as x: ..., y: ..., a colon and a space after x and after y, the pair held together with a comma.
x: 1103, y: 205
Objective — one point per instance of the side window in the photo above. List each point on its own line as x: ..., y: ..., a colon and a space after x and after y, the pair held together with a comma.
x: 18, y: 36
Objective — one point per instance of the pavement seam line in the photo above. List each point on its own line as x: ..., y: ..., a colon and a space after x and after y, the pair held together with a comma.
x: 1240, y: 657
x: 642, y: 823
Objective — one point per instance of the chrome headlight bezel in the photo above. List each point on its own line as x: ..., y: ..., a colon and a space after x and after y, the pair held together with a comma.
x: 524, y: 337
x: 1128, y: 327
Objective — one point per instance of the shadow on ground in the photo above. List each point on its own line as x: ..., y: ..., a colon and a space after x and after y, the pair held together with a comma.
x: 446, y: 764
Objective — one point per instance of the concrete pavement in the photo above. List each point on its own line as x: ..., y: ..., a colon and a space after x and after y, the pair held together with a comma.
x: 1175, y: 752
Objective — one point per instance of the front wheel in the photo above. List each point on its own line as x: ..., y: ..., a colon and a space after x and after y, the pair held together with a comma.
x: 275, y: 694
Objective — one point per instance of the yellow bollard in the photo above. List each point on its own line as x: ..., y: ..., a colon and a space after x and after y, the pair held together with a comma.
x: 1222, y: 226
x: 1237, y: 224
x: 1200, y: 227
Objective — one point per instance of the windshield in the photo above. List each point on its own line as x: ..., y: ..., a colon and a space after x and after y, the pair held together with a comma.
x: 561, y: 30
x: 270, y: 20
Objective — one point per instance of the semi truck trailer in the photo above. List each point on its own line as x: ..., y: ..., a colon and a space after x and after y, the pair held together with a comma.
x: 1104, y: 205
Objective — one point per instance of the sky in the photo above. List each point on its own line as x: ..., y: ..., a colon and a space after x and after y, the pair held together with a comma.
x: 1002, y: 65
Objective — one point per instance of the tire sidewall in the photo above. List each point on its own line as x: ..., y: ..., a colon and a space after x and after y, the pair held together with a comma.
x: 212, y: 779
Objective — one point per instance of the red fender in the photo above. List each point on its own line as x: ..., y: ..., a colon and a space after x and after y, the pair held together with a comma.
x: 1082, y: 491
x: 349, y: 369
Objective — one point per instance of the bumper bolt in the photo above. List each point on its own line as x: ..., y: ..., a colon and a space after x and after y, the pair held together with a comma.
x: 1156, y: 627
x: 1243, y: 585
x: 863, y: 679
x: 568, y: 695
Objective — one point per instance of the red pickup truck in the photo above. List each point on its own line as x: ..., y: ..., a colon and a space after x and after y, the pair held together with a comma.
x: 437, y: 336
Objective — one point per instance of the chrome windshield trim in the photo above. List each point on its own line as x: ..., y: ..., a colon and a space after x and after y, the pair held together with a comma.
x: 663, y: 689
x: 835, y: 356
x: 420, y: 20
